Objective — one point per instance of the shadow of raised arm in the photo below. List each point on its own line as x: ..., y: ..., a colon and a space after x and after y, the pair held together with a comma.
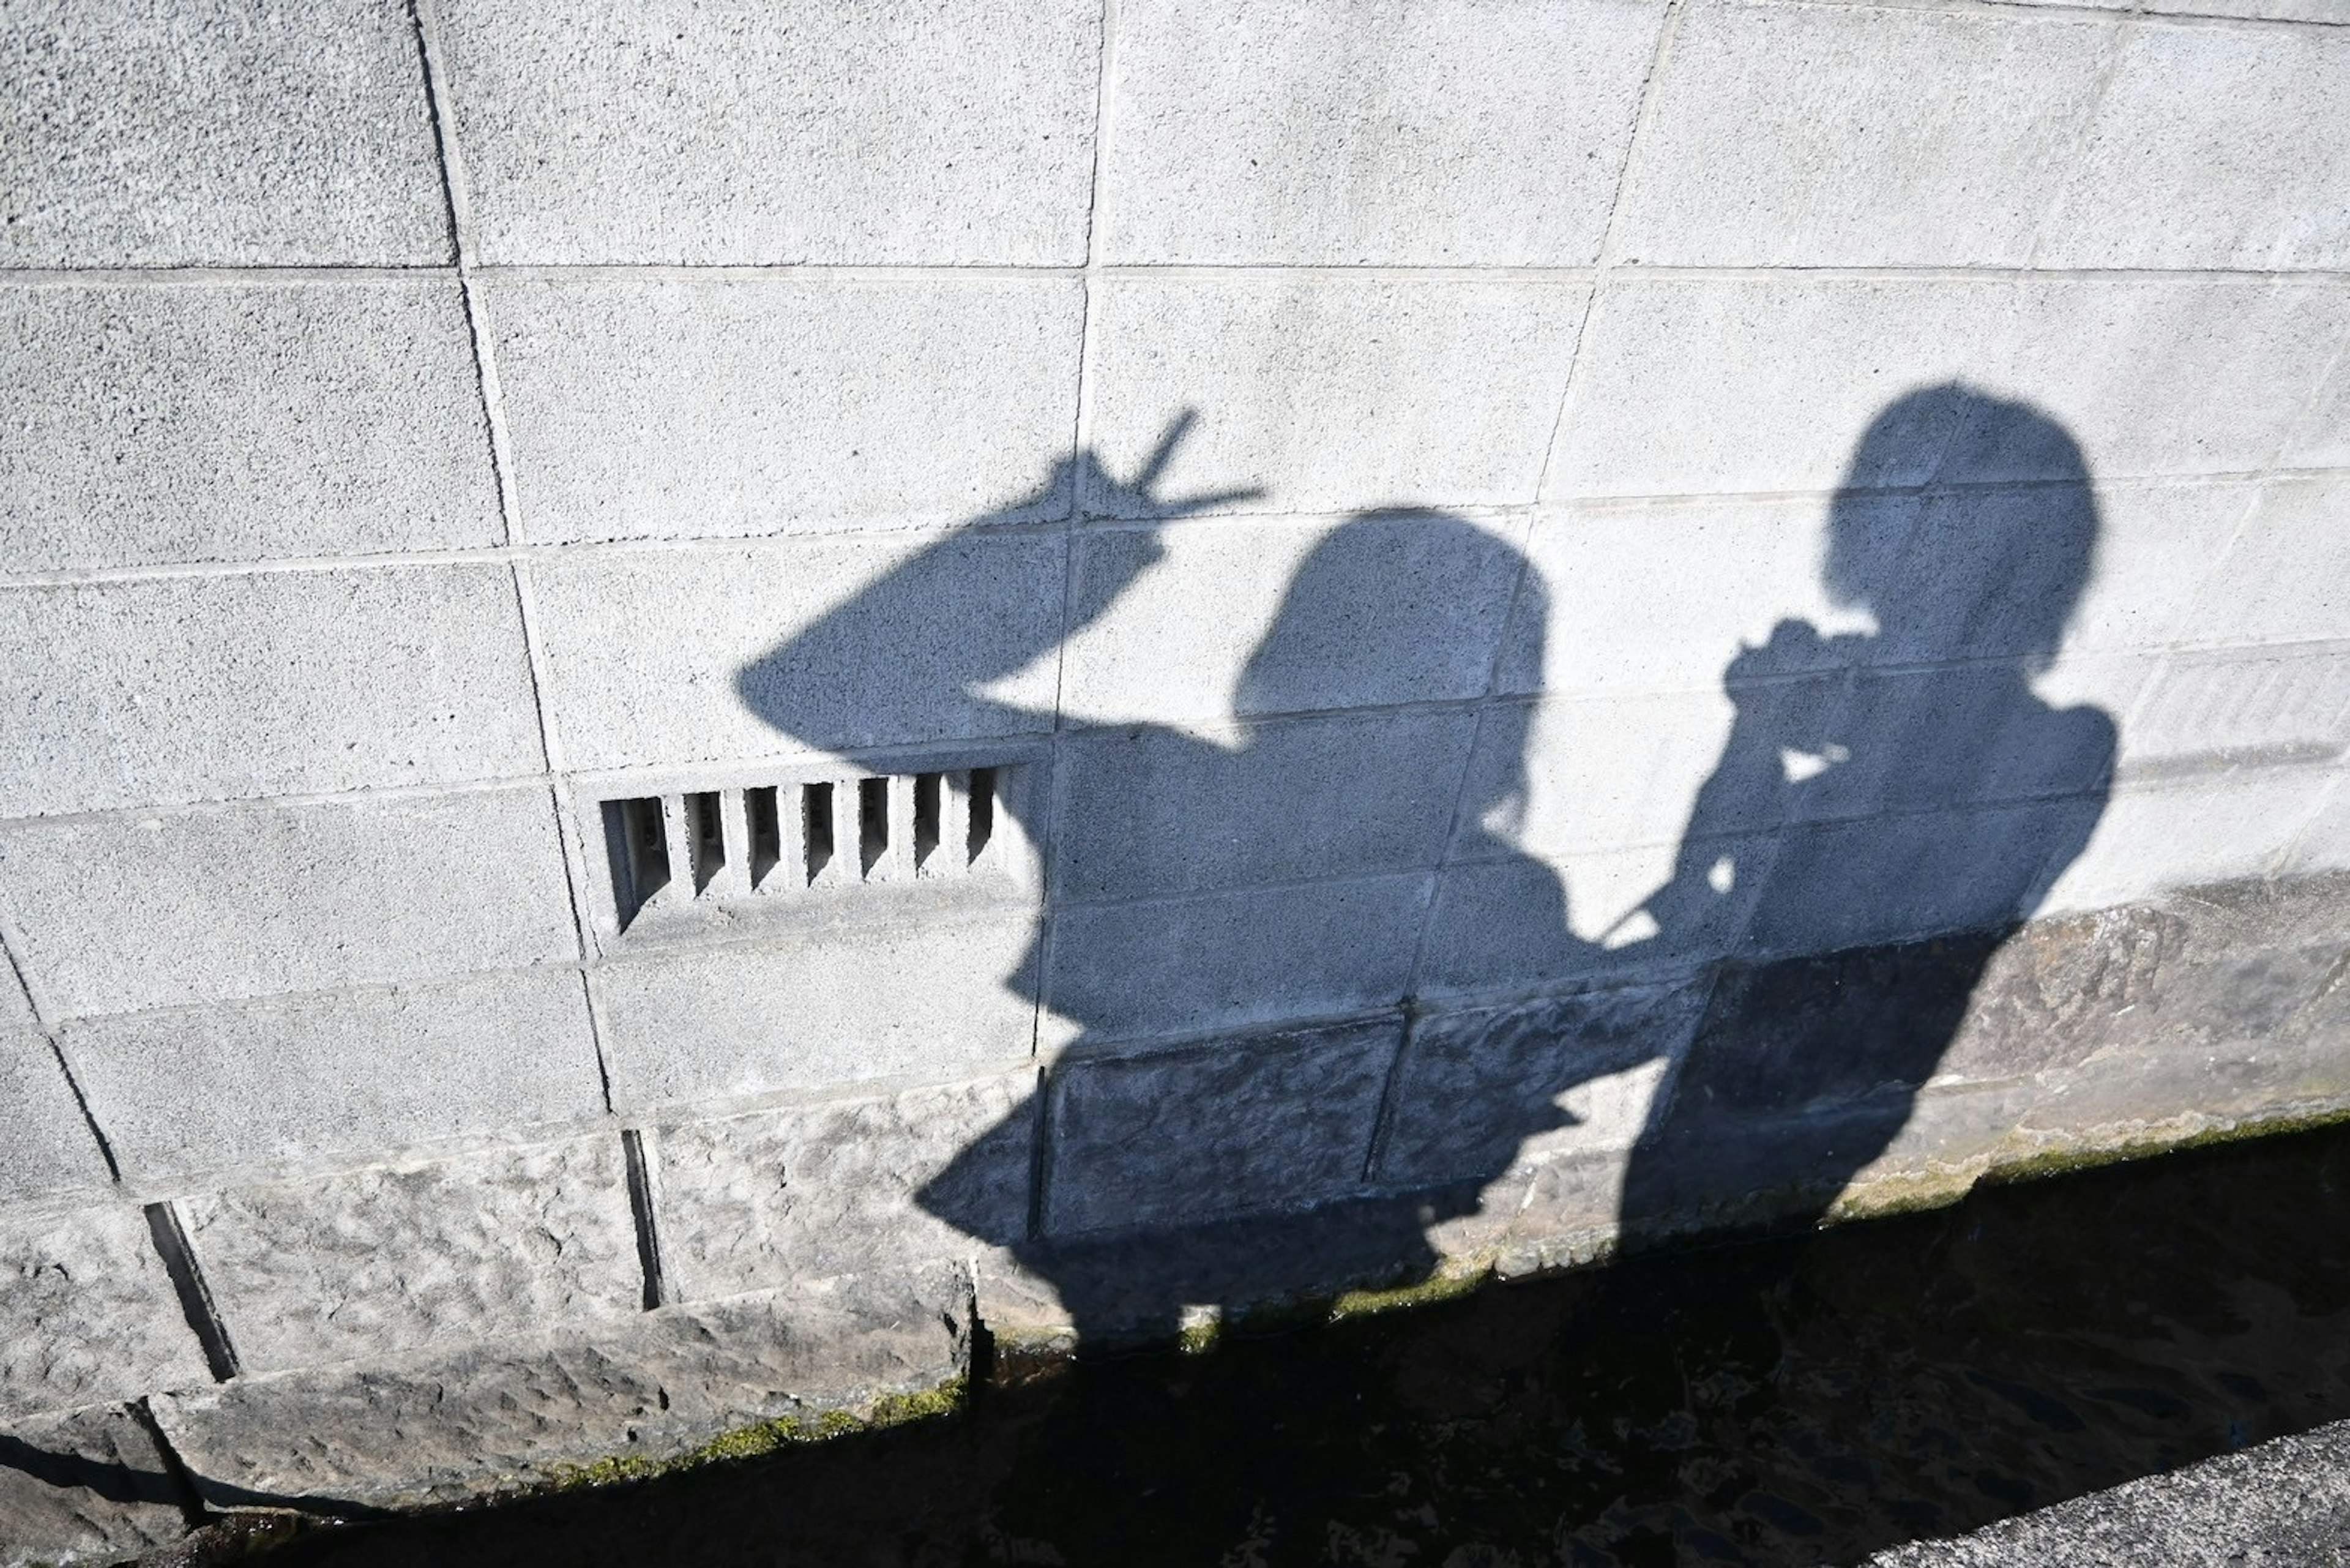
x: 984, y: 602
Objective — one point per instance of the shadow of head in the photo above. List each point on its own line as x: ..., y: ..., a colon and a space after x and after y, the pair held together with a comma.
x: 1993, y: 559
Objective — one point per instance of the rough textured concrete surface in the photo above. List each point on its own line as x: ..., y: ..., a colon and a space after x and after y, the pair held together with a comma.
x: 682, y: 685
x: 85, y: 1486
x: 402, y: 1257
x: 675, y: 134
x: 406, y: 1430
x: 216, y: 135
x: 2284, y: 1501
x: 216, y: 422
x: 88, y: 1312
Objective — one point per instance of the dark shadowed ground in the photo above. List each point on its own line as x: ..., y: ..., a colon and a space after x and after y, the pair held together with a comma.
x: 1803, y: 1401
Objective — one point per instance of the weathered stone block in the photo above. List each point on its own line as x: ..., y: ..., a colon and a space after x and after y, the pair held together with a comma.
x: 1228, y: 962
x: 213, y: 134
x: 237, y: 902
x: 401, y: 1431
x: 1208, y: 1133
x: 2227, y: 149
x: 85, y: 1486
x: 767, y: 648
x: 865, y: 1187
x: 88, y: 1313
x: 1444, y: 135
x: 46, y: 1144
x: 197, y: 1090
x: 1326, y: 795
x: 674, y: 408
x: 1216, y: 619
x: 189, y: 689
x: 365, y: 1265
x: 926, y: 998
x: 240, y: 422
x: 1876, y: 137
x: 1478, y: 1093
x: 679, y: 135
x: 1324, y: 395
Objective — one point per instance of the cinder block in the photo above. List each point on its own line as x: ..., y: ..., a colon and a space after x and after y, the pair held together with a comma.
x: 447, y: 1426
x: 2213, y: 149
x: 1561, y: 777
x: 667, y: 408
x: 88, y: 1313
x: 1147, y: 812
x: 214, y: 421
x: 399, y: 1258
x: 1238, y: 1127
x: 2284, y: 580
x: 197, y: 1090
x: 1515, y: 926
x: 45, y: 1146
x: 2155, y: 546
x: 224, y: 902
x: 85, y: 1486
x: 213, y: 134
x: 2321, y: 440
x: 1223, y: 962
x: 2189, y: 832
x: 859, y: 1186
x: 1207, y: 620
x: 185, y: 689
x: 757, y: 649
x: 1480, y: 1092
x: 933, y: 999
x: 1710, y: 385
x: 2154, y: 376
x: 842, y: 134
x: 1324, y: 395
x: 1815, y: 137
x: 2217, y: 710
x: 1900, y: 879
x: 1662, y: 596
x: 1445, y: 135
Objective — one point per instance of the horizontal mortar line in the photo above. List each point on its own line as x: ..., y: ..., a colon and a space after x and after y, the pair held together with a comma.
x: 1061, y: 904
x: 438, y: 981
x: 163, y: 277
x: 1626, y: 271
x: 1082, y: 1051
x: 720, y: 272
x: 350, y: 795
x: 2017, y: 9
x: 1612, y: 501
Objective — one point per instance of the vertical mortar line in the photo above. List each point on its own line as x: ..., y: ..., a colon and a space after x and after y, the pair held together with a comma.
x: 47, y: 1024
x: 440, y: 104
x: 192, y: 1512
x: 169, y: 1236
x: 639, y: 1168
x: 1604, y: 262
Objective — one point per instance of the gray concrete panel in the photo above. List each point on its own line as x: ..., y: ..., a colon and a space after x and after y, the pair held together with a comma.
x: 1443, y: 135
x: 765, y: 1201
x: 192, y: 1092
x: 679, y: 134
x: 1802, y: 135
x: 88, y: 1313
x: 379, y: 1262
x: 931, y: 998
x: 211, y: 134
x: 668, y: 406
x: 1154, y: 812
x: 1230, y: 960
x: 1330, y: 394
x: 674, y: 655
x: 46, y: 1144
x: 170, y: 689
x: 2213, y: 149
x: 1240, y: 1128
x: 239, y: 422
x: 234, y: 902
x: 85, y: 1486
x: 2287, y: 577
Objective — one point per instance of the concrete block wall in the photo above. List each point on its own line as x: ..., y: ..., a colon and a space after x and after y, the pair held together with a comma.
x: 1364, y: 479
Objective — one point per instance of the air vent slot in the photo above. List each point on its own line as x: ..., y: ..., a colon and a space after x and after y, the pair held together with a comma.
x: 710, y: 845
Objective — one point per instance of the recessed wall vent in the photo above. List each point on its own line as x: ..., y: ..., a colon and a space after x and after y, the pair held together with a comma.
x: 712, y: 844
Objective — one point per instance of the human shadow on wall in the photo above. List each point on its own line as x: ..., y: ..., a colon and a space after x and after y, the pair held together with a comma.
x: 1888, y: 808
